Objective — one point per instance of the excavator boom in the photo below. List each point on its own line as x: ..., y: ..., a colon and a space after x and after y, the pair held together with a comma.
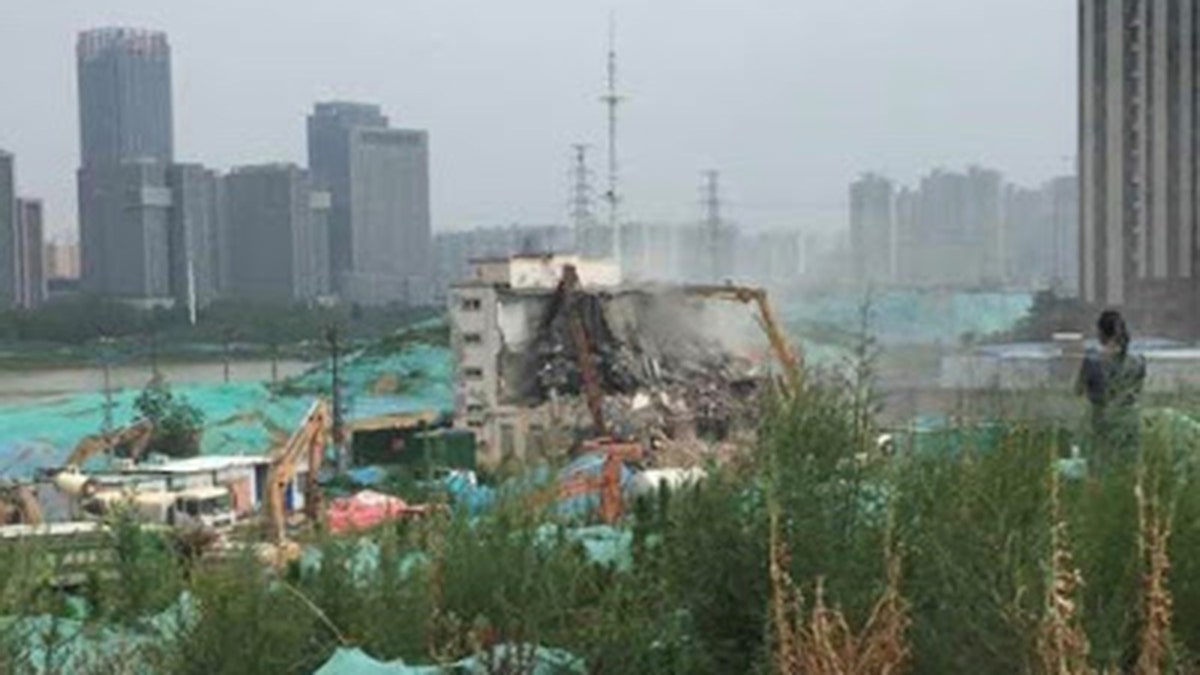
x: 308, y: 442
x: 791, y: 362
x: 136, y: 437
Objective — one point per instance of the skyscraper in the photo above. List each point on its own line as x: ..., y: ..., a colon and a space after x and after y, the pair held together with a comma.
x: 125, y: 146
x: 8, y: 244
x: 193, y: 239
x: 276, y: 257
x: 1138, y: 121
x: 30, y: 254
x: 124, y: 96
x: 873, y: 229
x: 378, y: 180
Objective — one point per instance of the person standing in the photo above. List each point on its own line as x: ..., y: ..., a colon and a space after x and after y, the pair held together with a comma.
x: 1112, y: 379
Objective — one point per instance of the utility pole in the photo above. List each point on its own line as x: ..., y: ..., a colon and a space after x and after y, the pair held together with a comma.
x: 108, y: 400
x: 339, y: 446
x: 228, y: 337
x: 711, y: 200
x: 581, y: 199
x: 612, y: 99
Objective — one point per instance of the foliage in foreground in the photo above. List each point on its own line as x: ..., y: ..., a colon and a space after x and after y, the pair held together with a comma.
x: 983, y: 562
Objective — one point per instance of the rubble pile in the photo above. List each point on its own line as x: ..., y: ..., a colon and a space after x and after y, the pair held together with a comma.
x: 665, y: 382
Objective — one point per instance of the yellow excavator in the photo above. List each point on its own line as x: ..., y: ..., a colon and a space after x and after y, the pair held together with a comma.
x: 792, y: 363
x: 134, y: 438
x: 19, y: 505
x: 308, y: 442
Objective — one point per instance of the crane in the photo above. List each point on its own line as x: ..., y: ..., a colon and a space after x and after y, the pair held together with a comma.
x: 308, y: 441
x: 792, y: 363
x: 136, y: 437
x: 567, y: 299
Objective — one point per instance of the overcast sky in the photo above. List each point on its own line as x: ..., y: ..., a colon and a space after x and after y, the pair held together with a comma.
x: 789, y: 99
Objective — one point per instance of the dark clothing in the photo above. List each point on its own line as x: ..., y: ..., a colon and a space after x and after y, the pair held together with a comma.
x: 1113, y: 382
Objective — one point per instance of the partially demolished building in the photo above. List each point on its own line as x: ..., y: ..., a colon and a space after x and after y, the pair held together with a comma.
x: 674, y: 366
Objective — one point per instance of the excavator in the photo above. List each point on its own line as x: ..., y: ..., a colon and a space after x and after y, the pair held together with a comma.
x: 307, y: 442
x: 568, y: 300
x: 19, y: 505
x: 608, y: 481
x: 135, y: 438
x: 792, y: 363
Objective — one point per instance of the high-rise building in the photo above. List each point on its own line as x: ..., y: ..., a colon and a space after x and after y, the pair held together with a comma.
x: 1138, y: 121
x: 62, y: 260
x: 1041, y: 242
x: 873, y: 229
x: 950, y: 229
x: 125, y: 231
x: 270, y: 211
x: 8, y: 244
x: 125, y: 147
x: 193, y: 247
x: 378, y: 179
x: 30, y: 250
x: 124, y: 96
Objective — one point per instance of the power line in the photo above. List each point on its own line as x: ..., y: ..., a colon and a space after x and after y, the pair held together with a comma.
x: 581, y: 196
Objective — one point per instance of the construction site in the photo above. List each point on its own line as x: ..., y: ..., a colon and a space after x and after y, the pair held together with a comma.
x: 576, y: 473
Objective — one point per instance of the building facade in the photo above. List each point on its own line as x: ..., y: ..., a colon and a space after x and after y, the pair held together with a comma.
x: 8, y: 244
x: 30, y: 254
x: 1138, y: 128
x: 378, y: 180
x: 126, y: 145
x: 124, y: 96
x: 125, y: 231
x: 873, y: 229
x: 194, y: 237
x: 270, y: 217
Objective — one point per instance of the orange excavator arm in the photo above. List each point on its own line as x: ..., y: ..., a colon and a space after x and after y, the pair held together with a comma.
x: 307, y: 441
x: 791, y: 362
x: 568, y: 300
x: 135, y: 436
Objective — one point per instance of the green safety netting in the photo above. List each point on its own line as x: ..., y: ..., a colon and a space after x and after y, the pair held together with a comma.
x: 908, y: 317
x: 528, y: 659
x: 240, y: 417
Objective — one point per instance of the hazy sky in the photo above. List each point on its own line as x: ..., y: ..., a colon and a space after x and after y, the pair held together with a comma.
x: 789, y: 99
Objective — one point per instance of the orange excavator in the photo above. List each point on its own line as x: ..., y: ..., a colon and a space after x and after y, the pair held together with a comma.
x: 308, y: 442
x: 568, y: 300
x: 792, y: 363
x: 134, y: 438
x: 608, y: 481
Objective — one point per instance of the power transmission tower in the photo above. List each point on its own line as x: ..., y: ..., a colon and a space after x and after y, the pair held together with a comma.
x: 611, y: 100
x: 710, y: 192
x: 582, y: 217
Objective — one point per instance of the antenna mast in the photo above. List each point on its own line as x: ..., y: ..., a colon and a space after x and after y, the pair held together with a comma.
x: 611, y: 99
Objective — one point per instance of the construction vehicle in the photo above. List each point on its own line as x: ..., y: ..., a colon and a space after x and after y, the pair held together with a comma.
x: 791, y: 362
x: 608, y: 482
x: 134, y: 439
x: 19, y: 505
x: 307, y: 442
x: 568, y: 300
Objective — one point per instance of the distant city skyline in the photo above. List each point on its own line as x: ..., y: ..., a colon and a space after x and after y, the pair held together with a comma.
x: 793, y: 105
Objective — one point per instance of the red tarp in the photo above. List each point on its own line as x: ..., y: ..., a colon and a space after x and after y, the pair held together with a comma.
x: 367, y: 509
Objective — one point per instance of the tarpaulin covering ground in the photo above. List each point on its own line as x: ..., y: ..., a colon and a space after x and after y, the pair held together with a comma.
x: 239, y: 418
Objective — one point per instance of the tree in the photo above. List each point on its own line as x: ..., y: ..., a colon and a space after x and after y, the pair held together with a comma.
x: 177, y: 423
